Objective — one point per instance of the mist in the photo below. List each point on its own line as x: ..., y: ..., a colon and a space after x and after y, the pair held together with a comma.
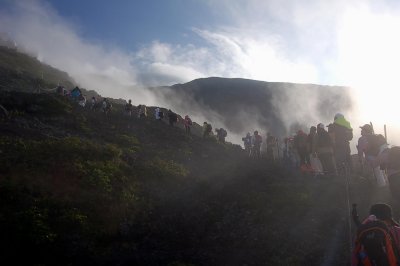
x: 351, y: 44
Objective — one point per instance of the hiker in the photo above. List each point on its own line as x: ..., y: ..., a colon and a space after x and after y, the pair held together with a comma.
x: 159, y: 114
x: 377, y: 241
x: 389, y: 159
x: 93, y: 103
x: 342, y: 133
x: 369, y: 144
x: 323, y: 149
x: 128, y: 108
x: 172, y: 118
x: 271, y: 144
x: 221, y: 134
x: 315, y: 163
x: 207, y: 129
x: 106, y: 106
x: 301, y: 145
x: 82, y: 100
x: 247, y: 143
x: 60, y: 90
x: 256, y: 141
x: 311, y: 138
x: 188, y: 123
x: 142, y: 111
x: 75, y: 93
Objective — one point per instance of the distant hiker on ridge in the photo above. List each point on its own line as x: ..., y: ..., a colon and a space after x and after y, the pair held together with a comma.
x: 82, y: 100
x: 207, y: 130
x: 128, y: 108
x: 247, y: 143
x: 142, y: 111
x: 221, y: 134
x: 158, y: 114
x: 256, y: 141
x: 188, y: 123
x: 93, y: 103
x: 106, y: 106
x: 271, y: 145
x: 172, y: 118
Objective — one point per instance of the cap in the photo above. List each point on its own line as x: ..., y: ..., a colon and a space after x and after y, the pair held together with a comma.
x: 320, y: 125
x: 367, y: 128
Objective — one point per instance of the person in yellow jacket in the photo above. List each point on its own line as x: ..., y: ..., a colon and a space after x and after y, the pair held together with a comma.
x: 341, y: 133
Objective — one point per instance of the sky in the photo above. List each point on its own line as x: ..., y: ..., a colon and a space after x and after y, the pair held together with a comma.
x: 116, y: 47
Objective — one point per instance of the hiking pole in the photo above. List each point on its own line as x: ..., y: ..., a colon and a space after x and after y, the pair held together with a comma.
x: 349, y: 212
x: 384, y: 129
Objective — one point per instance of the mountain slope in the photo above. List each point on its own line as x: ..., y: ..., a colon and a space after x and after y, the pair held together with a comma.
x: 243, y: 105
x: 81, y: 188
x: 22, y: 72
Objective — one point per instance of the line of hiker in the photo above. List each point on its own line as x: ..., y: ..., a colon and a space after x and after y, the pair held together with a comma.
x: 141, y: 111
x: 325, y: 150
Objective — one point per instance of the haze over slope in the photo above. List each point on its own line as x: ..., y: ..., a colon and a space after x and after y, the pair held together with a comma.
x: 243, y: 105
x: 239, y: 105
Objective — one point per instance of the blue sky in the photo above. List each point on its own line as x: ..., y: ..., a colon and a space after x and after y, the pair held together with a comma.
x: 132, y: 24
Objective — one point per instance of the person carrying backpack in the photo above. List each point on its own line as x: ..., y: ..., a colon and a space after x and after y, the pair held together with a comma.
x: 256, y: 141
x: 142, y: 111
x: 158, y: 114
x: 389, y: 159
x: 221, y: 134
x: 301, y: 145
x: 128, y: 108
x: 369, y: 144
x: 172, y: 118
x: 378, y: 238
x: 342, y: 133
x: 271, y: 144
x: 188, y: 123
x: 93, y: 103
x: 247, y: 143
x: 323, y: 149
x: 82, y: 100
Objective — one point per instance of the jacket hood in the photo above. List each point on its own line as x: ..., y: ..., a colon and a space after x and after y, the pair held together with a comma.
x: 341, y: 121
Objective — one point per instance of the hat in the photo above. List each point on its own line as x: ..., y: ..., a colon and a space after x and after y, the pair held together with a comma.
x: 367, y: 128
x: 382, y: 211
x: 320, y: 125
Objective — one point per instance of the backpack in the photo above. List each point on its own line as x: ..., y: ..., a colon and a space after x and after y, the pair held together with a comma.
x: 375, y: 245
x: 224, y: 133
x: 257, y: 140
x: 393, y: 161
x: 375, y: 141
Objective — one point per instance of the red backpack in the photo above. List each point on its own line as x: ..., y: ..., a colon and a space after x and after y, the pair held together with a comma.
x: 375, y: 245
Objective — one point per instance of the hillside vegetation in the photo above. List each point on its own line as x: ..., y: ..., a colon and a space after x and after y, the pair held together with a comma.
x: 78, y: 187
